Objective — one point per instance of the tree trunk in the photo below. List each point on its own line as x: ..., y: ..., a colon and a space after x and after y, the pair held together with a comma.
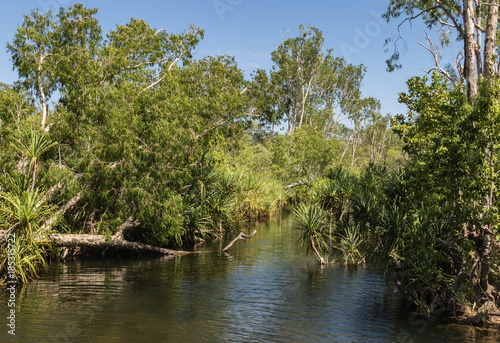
x: 470, y: 49
x: 345, y: 150
x: 490, y: 39
x: 99, y: 243
x: 69, y: 205
x: 484, y: 250
x: 43, y: 97
x: 483, y: 240
x: 290, y: 121
x: 354, y: 148
x: 479, y: 44
x: 321, y: 260
x: 304, y: 100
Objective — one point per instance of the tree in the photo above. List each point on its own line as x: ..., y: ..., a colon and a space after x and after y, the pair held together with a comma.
x: 362, y: 111
x: 311, y: 220
x: 308, y: 85
x: 297, y: 64
x: 43, y: 49
x: 467, y: 19
x: 303, y: 154
x: 378, y: 137
x: 15, y: 106
x: 453, y: 165
x: 32, y: 54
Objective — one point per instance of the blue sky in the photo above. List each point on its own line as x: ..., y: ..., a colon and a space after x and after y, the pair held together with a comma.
x: 248, y: 30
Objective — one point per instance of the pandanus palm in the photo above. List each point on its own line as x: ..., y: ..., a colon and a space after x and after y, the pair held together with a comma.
x: 23, y: 208
x: 312, y: 220
x: 23, y: 212
x: 32, y: 146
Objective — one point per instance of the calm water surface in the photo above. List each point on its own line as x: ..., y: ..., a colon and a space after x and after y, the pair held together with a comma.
x: 265, y: 290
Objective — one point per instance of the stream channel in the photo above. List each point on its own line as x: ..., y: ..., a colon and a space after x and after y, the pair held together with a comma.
x: 265, y: 290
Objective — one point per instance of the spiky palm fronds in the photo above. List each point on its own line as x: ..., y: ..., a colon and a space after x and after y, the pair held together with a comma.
x: 350, y: 246
x: 25, y: 212
x: 32, y: 145
x: 312, y: 220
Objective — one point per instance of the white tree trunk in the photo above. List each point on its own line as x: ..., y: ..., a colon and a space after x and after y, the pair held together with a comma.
x: 490, y: 39
x: 470, y: 49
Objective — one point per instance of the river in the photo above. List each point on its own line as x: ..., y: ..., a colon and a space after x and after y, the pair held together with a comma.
x: 265, y: 290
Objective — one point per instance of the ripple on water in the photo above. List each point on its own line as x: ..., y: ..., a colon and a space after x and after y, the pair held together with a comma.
x: 266, y: 290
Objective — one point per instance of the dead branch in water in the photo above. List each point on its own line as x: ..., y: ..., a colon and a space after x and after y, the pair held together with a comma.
x: 240, y: 236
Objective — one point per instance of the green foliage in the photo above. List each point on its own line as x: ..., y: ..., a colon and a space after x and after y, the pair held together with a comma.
x: 308, y: 85
x: 312, y: 221
x: 350, y: 246
x: 443, y: 209
x: 143, y: 130
x: 304, y: 153
x: 23, y: 212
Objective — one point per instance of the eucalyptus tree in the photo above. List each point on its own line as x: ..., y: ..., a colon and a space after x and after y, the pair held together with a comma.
x: 451, y: 138
x: 338, y: 94
x: 46, y: 49
x: 470, y: 20
x: 361, y: 112
x: 378, y: 137
x: 141, y: 131
x: 308, y: 85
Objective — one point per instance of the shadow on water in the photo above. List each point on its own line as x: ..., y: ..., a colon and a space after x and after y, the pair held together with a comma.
x: 265, y: 290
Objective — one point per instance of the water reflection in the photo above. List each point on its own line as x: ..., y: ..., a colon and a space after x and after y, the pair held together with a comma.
x: 265, y: 290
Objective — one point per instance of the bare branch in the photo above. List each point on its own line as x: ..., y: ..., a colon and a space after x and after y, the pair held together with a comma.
x: 296, y: 184
x: 437, y: 57
x: 444, y: 23
x: 163, y: 77
x: 49, y: 193
x: 240, y: 237
x: 453, y: 19
x: 153, y: 84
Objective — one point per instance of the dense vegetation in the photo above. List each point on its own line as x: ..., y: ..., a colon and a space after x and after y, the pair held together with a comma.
x: 190, y: 149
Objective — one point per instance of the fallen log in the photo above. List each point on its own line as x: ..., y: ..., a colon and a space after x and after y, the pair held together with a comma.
x: 117, y: 242
x: 240, y: 236
x: 98, y: 242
